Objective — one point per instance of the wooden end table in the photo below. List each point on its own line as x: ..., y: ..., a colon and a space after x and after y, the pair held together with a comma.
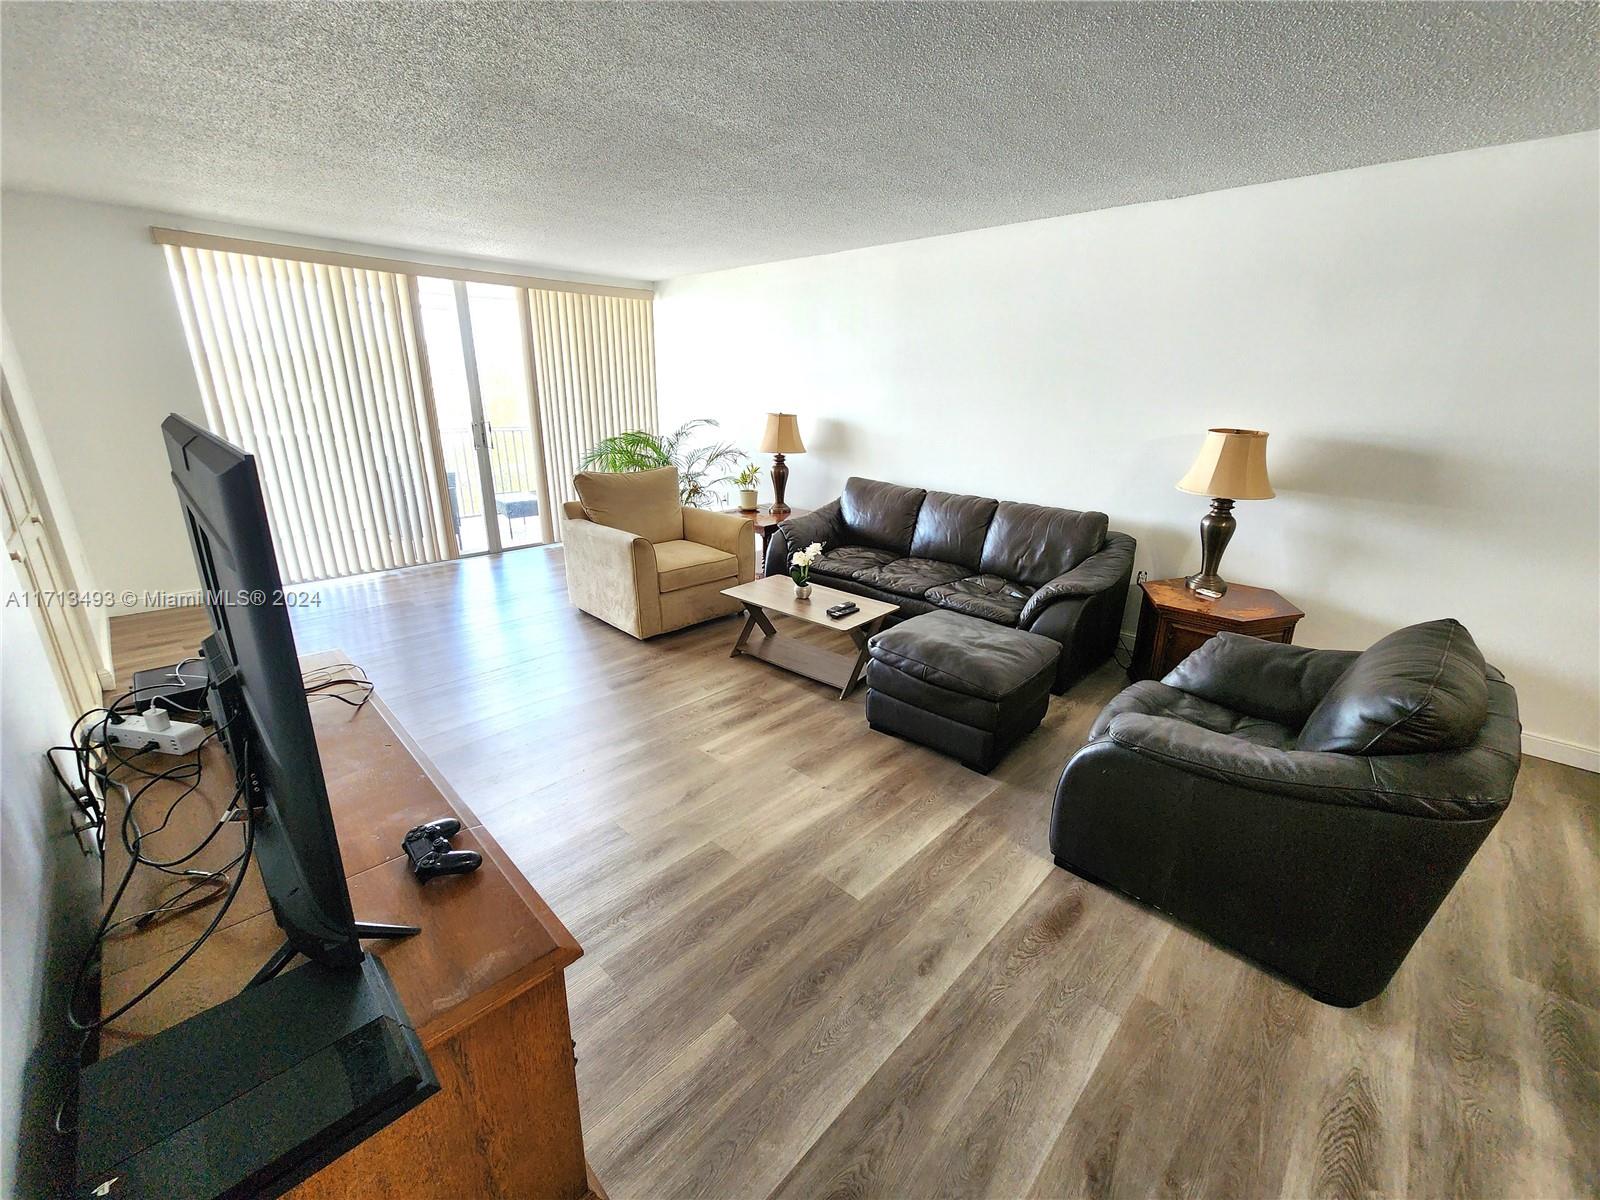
x: 774, y: 595
x: 1174, y: 622
x: 765, y: 522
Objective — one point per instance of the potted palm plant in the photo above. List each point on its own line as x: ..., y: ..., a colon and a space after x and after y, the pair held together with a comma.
x: 800, y: 569
x: 639, y: 450
x: 746, y: 481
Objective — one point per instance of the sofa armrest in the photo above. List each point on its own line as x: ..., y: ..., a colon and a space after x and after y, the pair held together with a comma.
x: 1101, y: 571
x: 1270, y: 680
x: 824, y: 525
x: 590, y: 538
x: 1420, y: 785
x: 611, y: 573
x: 727, y: 532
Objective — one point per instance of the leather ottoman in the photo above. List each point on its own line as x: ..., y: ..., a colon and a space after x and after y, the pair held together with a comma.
x: 964, y: 686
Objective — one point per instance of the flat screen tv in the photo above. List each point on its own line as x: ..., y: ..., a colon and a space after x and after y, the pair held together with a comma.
x: 252, y: 1096
x: 257, y: 699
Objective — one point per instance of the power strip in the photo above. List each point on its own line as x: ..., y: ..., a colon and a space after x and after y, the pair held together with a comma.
x: 154, y: 730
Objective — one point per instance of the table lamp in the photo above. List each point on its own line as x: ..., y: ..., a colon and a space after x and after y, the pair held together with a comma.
x: 781, y: 437
x: 1232, y: 466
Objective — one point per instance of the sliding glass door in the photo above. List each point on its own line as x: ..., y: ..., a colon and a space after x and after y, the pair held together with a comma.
x: 493, y: 323
x: 487, y: 433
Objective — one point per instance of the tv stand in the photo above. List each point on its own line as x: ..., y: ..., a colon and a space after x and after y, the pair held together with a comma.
x: 284, y: 954
x: 483, y: 983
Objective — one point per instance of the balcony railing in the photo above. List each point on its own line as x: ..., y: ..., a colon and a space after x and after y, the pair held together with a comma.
x: 511, y: 454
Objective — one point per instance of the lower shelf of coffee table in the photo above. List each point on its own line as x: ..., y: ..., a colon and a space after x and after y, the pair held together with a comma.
x: 803, y: 658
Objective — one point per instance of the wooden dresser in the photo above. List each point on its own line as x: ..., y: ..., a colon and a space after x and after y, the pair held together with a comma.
x: 1174, y: 622
x: 483, y: 982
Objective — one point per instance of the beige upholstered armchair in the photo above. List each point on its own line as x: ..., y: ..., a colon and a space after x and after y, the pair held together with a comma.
x: 639, y: 560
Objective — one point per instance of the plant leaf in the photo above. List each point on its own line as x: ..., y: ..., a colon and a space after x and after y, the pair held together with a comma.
x: 698, y: 468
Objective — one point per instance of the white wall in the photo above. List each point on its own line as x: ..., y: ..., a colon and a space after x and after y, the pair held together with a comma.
x: 47, y: 891
x: 1420, y: 338
x: 91, y: 312
x: 53, y: 498
x: 89, y: 306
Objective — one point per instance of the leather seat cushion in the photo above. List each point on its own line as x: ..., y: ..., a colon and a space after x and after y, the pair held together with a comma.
x: 952, y: 528
x: 1265, y: 679
x: 967, y: 656
x: 847, y: 561
x: 879, y: 514
x: 909, y: 606
x: 991, y: 597
x: 681, y: 564
x: 910, y: 576
x: 1161, y: 700
x: 977, y: 711
x: 1422, y: 689
x: 1034, y: 544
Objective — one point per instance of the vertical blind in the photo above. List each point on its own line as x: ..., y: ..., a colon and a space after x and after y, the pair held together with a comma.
x: 314, y: 368
x: 594, y: 373
x: 316, y: 363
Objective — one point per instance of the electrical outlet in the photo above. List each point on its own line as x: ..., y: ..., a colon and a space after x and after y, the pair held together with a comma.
x: 136, y: 732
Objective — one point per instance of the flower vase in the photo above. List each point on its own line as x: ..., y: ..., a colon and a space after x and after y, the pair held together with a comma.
x: 802, y: 591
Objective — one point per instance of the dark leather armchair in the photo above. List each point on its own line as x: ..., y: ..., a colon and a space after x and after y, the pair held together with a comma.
x: 1310, y: 809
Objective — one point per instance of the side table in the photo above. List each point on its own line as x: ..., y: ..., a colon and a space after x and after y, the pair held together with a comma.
x: 765, y: 523
x: 1174, y: 622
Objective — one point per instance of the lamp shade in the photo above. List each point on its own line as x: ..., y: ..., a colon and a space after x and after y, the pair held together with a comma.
x: 1231, y: 464
x: 782, y: 435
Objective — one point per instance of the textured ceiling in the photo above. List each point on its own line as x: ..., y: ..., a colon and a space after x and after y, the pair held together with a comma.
x: 651, y: 140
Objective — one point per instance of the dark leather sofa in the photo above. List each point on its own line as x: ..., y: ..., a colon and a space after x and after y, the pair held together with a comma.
x: 1309, y: 808
x: 1050, y: 571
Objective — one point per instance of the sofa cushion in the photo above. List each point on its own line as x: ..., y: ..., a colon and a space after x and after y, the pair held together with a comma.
x: 1164, y: 700
x: 681, y: 564
x: 952, y: 528
x: 909, y: 606
x: 991, y: 597
x: 1034, y: 544
x: 970, y: 657
x: 879, y: 514
x: 645, y: 503
x: 1269, y: 680
x: 979, y: 712
x: 1421, y: 689
x: 846, y: 561
x: 910, y: 576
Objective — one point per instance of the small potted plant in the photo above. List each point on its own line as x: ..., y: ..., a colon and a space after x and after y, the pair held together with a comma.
x: 800, y: 569
x: 746, y: 481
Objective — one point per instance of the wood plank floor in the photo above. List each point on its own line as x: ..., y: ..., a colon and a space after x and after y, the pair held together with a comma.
x: 824, y: 962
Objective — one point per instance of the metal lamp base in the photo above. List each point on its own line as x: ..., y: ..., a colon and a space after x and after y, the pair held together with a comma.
x: 1216, y: 529
x: 780, y: 480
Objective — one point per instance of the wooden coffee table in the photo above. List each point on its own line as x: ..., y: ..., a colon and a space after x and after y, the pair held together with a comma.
x: 774, y: 595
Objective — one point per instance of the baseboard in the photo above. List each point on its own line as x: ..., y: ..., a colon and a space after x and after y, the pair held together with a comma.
x: 1585, y: 758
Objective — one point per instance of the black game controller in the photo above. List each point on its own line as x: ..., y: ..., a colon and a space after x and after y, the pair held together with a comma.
x: 428, y: 847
